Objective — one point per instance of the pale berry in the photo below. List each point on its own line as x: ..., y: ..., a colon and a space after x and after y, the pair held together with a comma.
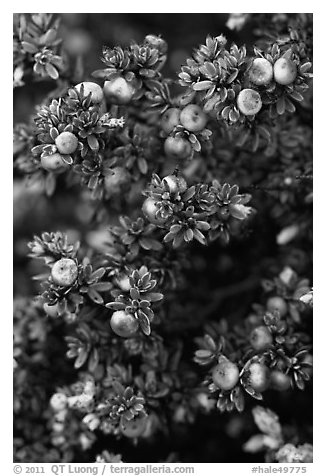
x: 280, y: 381
x: 117, y: 177
x: 59, y: 401
x: 91, y: 88
x: 285, y: 71
x: 150, y: 210
x: 261, y: 72
x: 259, y: 376
x: 53, y: 162
x: 118, y: 91
x: 170, y: 119
x: 157, y: 42
x: 225, y: 375
x: 261, y: 338
x: 276, y: 303
x: 193, y: 118
x: 66, y: 142
x: 64, y: 272
x: 122, y: 280
x: 177, y: 147
x: 249, y: 102
x: 123, y: 324
x: 175, y: 183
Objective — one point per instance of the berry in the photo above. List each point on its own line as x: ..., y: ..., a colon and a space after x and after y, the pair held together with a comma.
x: 93, y: 88
x: 249, y: 102
x: 118, y: 91
x: 261, y: 72
x: 150, y: 210
x: 66, y: 142
x: 261, y: 338
x: 157, y: 42
x: 51, y: 311
x: 58, y: 401
x: 276, y: 303
x: 64, y: 272
x: 225, y: 375
x: 133, y: 428
x: 175, y: 183
x: 285, y: 71
x: 53, y: 162
x: 117, y: 177
x: 170, y: 119
x: 177, y: 147
x: 280, y: 381
x: 122, y: 280
x: 193, y: 118
x: 123, y: 324
x: 102, y: 109
x: 259, y: 377
x: 78, y: 42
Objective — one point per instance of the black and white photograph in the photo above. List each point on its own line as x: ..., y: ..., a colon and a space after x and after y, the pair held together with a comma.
x: 163, y: 239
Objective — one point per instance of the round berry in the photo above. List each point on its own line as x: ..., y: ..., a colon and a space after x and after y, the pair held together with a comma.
x: 53, y: 162
x: 225, y: 375
x: 58, y: 401
x: 276, y: 303
x: 64, y: 272
x: 123, y: 324
x: 150, y: 210
x: 51, y: 311
x: 193, y: 118
x: 249, y: 102
x: 285, y: 71
x: 118, y: 91
x: 261, y: 72
x: 170, y: 119
x: 102, y: 109
x: 259, y: 376
x: 118, y: 176
x: 133, y: 428
x: 78, y: 42
x: 66, y: 142
x: 280, y: 381
x: 261, y: 338
x: 122, y: 280
x: 175, y: 183
x: 93, y: 88
x: 177, y: 147
x: 157, y: 42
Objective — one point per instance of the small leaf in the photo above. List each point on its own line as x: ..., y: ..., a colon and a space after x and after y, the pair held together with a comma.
x: 52, y: 71
x: 202, y: 85
x: 203, y: 353
x: 116, y: 306
x: 154, y: 297
x: 93, y: 360
x: 95, y: 296
x: 29, y: 47
x: 144, y: 322
x: 134, y: 294
x: 93, y: 142
x: 81, y: 359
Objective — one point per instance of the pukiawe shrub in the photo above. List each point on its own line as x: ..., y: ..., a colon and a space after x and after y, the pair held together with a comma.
x: 168, y: 224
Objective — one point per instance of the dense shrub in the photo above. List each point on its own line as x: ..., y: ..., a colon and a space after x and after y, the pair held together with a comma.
x: 167, y: 222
